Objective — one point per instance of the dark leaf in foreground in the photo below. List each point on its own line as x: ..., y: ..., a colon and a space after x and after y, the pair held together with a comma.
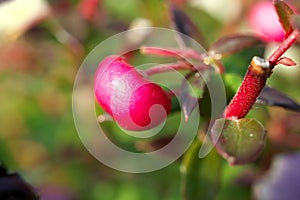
x: 183, y: 24
x: 12, y: 186
x: 273, y: 97
x: 3, y: 1
x: 234, y: 43
x: 284, y: 13
x: 192, y: 89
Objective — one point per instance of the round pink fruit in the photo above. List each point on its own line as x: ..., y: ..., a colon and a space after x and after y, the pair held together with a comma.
x: 264, y: 19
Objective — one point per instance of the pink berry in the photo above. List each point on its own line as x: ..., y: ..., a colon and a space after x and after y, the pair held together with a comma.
x: 264, y: 19
x: 134, y: 102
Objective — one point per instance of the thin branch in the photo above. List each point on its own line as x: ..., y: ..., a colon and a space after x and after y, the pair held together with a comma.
x: 284, y: 46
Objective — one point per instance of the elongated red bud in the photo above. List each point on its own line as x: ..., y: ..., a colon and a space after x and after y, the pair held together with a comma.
x: 133, y: 101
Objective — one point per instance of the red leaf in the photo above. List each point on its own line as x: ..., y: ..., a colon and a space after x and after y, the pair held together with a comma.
x: 284, y: 13
x: 183, y: 24
x: 286, y: 61
x: 234, y: 43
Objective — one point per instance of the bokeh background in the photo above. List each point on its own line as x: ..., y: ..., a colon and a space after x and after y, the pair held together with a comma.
x: 42, y: 45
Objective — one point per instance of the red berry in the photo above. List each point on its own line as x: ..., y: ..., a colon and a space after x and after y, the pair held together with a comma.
x: 263, y: 18
x: 89, y: 8
x: 128, y: 96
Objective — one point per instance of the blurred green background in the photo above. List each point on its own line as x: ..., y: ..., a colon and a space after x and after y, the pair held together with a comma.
x: 42, y: 45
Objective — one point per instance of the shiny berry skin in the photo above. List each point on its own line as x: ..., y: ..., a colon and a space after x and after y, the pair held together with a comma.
x: 133, y: 101
x: 264, y: 19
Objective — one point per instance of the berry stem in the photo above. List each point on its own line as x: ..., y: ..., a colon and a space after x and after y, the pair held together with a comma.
x: 255, y: 79
x: 177, y: 53
x: 168, y: 67
x: 180, y: 65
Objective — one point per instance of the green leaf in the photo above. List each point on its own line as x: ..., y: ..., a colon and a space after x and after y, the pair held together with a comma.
x: 231, y: 44
x: 232, y: 81
x: 238, y: 63
x: 234, y: 182
x: 200, y: 177
x: 284, y: 13
x: 241, y: 141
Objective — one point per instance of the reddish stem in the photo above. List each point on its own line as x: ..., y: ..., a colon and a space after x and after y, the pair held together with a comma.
x: 284, y: 46
x: 177, y: 53
x: 168, y: 67
x: 181, y: 65
x: 252, y: 84
x: 255, y: 80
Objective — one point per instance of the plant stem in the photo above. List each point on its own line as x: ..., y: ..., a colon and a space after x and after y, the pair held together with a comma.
x: 284, y: 46
x: 177, y: 53
x: 253, y: 83
x: 168, y: 67
x: 255, y: 79
x: 180, y: 65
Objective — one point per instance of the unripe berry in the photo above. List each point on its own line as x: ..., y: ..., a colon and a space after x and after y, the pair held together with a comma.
x: 134, y: 102
x: 264, y: 19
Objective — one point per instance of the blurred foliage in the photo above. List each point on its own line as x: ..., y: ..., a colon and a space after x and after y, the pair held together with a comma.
x: 38, y: 64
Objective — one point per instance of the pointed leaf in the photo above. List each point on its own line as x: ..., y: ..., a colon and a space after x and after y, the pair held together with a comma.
x: 241, y: 141
x: 284, y: 13
x: 286, y: 62
x: 234, y: 43
x: 272, y: 97
x: 192, y: 89
x: 183, y: 24
x: 200, y: 177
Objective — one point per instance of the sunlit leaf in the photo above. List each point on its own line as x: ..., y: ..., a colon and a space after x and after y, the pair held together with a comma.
x: 200, y: 177
x: 238, y: 62
x: 284, y: 13
x: 18, y: 15
x: 241, y: 141
x: 234, y: 182
x: 233, y: 81
x: 273, y: 97
x: 234, y: 43
x: 192, y: 89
